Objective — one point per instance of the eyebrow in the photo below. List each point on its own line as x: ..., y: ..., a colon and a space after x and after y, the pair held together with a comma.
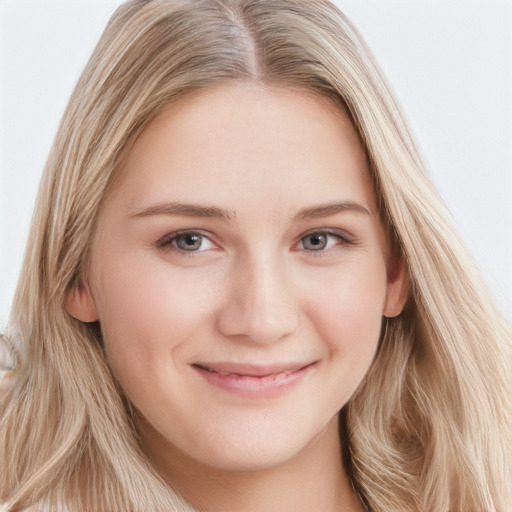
x: 195, y: 210
x: 188, y: 210
x: 325, y: 210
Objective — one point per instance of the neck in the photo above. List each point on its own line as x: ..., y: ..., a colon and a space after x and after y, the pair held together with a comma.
x: 313, y: 480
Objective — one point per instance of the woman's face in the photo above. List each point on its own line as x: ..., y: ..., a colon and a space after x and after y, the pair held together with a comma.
x: 240, y: 273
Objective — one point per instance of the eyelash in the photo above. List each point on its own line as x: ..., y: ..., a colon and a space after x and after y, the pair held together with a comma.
x: 169, y: 241
x: 342, y: 240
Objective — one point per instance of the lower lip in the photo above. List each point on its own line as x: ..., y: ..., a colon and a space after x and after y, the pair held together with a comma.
x: 247, y: 386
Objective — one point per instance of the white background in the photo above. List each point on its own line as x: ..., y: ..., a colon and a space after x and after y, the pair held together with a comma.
x: 449, y: 62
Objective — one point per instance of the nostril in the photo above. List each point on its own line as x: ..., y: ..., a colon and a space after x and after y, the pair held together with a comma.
x: 258, y: 304
x: 259, y: 325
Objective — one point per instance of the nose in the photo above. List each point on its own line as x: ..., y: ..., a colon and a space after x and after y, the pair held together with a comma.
x: 259, y: 306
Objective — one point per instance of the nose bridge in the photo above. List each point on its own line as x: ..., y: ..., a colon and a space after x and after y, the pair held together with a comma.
x: 260, y: 305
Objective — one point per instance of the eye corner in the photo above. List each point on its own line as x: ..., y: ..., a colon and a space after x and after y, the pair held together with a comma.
x: 186, y: 242
x: 320, y: 241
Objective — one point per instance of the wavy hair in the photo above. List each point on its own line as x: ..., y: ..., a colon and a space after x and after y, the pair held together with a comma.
x: 428, y: 426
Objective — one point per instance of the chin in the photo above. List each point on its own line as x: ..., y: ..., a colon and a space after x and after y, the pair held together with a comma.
x: 261, y: 449
x: 254, y: 459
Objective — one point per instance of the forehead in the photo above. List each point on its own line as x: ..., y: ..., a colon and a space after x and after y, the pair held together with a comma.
x: 231, y: 143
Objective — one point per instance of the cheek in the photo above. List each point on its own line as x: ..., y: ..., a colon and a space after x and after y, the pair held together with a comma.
x: 348, y: 313
x: 148, y: 311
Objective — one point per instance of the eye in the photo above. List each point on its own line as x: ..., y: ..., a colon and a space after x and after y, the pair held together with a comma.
x: 321, y: 240
x: 188, y: 241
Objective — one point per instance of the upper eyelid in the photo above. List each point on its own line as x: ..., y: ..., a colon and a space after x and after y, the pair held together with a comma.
x: 336, y: 232
x: 346, y: 242
x: 339, y: 233
x: 169, y: 237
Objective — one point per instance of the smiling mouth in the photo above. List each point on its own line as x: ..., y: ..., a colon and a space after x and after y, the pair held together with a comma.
x: 250, y: 381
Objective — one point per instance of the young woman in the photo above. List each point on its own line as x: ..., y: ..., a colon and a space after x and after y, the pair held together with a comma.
x: 241, y: 291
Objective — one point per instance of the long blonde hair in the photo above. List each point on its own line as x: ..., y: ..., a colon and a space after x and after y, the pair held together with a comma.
x: 428, y: 428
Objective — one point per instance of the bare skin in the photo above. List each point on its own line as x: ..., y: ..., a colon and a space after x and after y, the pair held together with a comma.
x: 313, y: 480
x: 240, y: 272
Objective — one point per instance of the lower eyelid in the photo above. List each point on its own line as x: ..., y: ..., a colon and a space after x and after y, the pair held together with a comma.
x: 170, y: 239
x: 343, y: 239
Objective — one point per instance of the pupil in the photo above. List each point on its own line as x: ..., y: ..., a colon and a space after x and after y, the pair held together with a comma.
x: 189, y: 242
x: 316, y: 241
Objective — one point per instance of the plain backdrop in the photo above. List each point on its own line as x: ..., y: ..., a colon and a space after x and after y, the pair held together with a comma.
x: 449, y: 62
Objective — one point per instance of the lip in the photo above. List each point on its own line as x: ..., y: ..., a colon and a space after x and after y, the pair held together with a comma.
x: 253, y: 381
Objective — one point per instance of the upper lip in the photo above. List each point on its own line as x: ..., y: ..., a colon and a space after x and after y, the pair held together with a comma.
x: 251, y: 370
